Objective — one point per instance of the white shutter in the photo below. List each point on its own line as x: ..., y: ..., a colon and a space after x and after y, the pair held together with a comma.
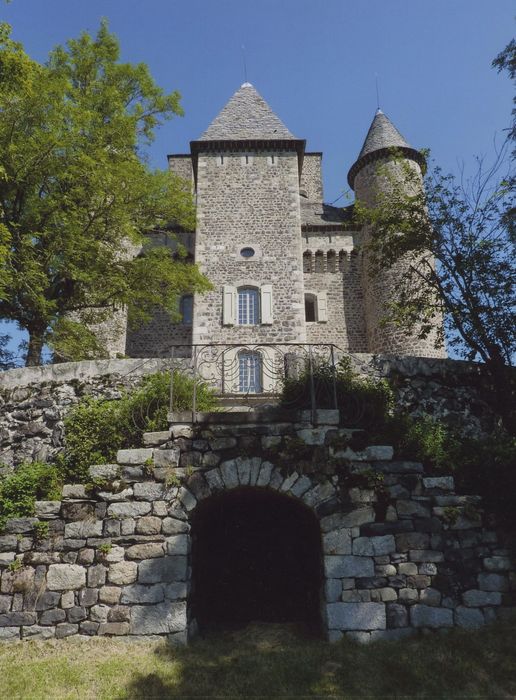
x: 229, y: 305
x: 322, y: 307
x: 266, y: 303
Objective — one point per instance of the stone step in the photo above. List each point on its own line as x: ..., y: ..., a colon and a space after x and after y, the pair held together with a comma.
x: 156, y: 439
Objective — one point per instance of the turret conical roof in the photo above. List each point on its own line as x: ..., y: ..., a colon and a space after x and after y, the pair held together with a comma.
x: 246, y: 117
x: 381, y: 138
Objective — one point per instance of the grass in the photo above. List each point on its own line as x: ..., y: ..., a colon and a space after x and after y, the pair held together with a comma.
x: 266, y: 662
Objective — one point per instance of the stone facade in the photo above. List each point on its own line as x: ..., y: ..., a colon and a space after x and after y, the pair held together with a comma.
x: 257, y: 189
x: 399, y: 550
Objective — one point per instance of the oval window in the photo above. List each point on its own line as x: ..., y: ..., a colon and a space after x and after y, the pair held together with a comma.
x: 247, y: 252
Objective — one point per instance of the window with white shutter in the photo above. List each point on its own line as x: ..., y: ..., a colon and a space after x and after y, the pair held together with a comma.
x: 266, y: 303
x: 229, y: 305
x: 322, y: 307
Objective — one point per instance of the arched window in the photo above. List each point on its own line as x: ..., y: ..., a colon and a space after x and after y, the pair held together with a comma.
x: 248, y: 306
x: 186, y: 309
x: 342, y: 260
x: 319, y: 261
x: 307, y: 261
x: 249, y: 372
x: 330, y: 261
x: 310, y: 308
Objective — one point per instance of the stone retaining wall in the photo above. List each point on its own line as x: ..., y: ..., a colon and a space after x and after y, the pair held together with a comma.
x: 400, y: 551
x: 34, y: 400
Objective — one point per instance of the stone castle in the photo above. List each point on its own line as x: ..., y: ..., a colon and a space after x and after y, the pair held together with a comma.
x: 285, y: 266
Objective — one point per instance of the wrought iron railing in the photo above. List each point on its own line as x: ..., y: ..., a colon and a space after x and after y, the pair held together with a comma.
x: 303, y: 374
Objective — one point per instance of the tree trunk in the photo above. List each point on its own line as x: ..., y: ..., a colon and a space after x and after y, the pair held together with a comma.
x: 36, y: 341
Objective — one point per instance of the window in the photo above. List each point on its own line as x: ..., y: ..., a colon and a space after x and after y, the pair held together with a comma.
x: 307, y: 261
x: 186, y: 309
x: 319, y: 261
x: 248, y: 307
x: 247, y: 252
x: 249, y: 373
x: 310, y: 308
x: 331, y: 261
x: 316, y: 307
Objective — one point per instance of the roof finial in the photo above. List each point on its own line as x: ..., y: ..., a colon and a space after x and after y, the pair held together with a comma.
x: 378, y: 110
x: 245, y: 83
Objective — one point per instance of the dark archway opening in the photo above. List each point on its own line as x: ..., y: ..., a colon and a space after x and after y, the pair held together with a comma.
x: 256, y: 556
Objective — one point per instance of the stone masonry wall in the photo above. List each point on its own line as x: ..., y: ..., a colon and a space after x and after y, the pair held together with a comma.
x: 256, y: 205
x: 400, y: 552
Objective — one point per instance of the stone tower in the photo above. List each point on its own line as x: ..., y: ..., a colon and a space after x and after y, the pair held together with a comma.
x: 247, y: 168
x: 386, y: 151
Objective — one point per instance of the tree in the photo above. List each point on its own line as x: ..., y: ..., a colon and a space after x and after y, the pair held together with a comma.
x: 457, y: 243
x: 506, y: 60
x: 76, y: 195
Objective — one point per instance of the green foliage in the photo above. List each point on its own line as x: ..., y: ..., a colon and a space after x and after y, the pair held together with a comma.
x: 15, y: 565
x: 105, y: 548
x: 77, y: 195
x: 363, y: 402
x: 30, y: 482
x: 41, y: 529
x: 96, y: 429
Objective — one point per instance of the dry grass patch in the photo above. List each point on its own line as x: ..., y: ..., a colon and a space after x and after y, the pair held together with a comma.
x: 267, y: 661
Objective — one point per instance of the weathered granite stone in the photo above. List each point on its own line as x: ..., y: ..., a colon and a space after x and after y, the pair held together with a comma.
x: 128, y: 510
x: 337, y: 541
x: 135, y: 456
x: 214, y: 479
x: 373, y: 546
x: 476, y: 599
x: 356, y: 616
x: 148, y: 491
x: 149, y: 550
x: 430, y: 596
x: 88, y: 597
x: 162, y: 618
x: 470, y: 618
x: 187, y: 499
x: 13, y: 619
x: 52, y: 617
x: 137, y: 593
x: 493, y: 582
x: 99, y: 613
x: 97, y: 575
x: 109, y: 594
x: 114, y: 629
x: 122, y: 572
x: 425, y: 555
x: 397, y: 615
x: 149, y: 525
x: 164, y: 570
x: 497, y: 563
x: 166, y: 457
x: 38, y: 632
x: 175, y: 591
x: 173, y: 526
x: 83, y: 528
x: 63, y: 577
x: 349, y: 566
x: 76, y: 614
x: 45, y: 509
x: 178, y: 544
x: 443, y: 483
x: 426, y: 616
x: 19, y: 525
x: 104, y: 472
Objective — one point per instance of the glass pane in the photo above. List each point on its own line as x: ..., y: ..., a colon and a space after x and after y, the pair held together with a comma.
x: 248, y: 307
x: 249, y: 373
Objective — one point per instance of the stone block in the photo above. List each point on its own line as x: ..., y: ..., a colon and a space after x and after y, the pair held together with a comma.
x: 137, y: 593
x: 333, y: 589
x: 83, y: 528
x: 300, y: 487
x: 162, y: 618
x: 74, y: 491
x: 89, y: 628
x: 62, y: 577
x: 348, y: 566
x: 397, y: 615
x: 8, y: 542
x: 374, y: 546
x: 109, y: 595
x: 356, y: 616
x: 178, y: 544
x: 148, y: 491
x: 66, y: 629
x: 443, y: 483
x: 123, y: 572
x: 412, y: 540
x: 412, y: 509
x: 229, y: 473
x: 135, y: 456
x: 355, y: 518
x: 430, y: 596
x: 13, y: 619
x: 384, y: 595
x: 408, y: 595
x: 52, y: 617
x: 187, y: 499
x: 148, y: 550
x: 176, y: 591
x: 128, y: 510
x: 164, y: 570
x: 67, y: 599
x: 76, y: 614
x: 476, y: 599
x: 337, y: 541
x: 156, y: 438
x: 427, y: 616
x: 99, y: 613
x: 379, y: 452
x: 38, y: 632
x: 497, y: 563
x: 214, y: 480
x: 113, y: 629
x: 104, y: 472
x: 173, y: 526
x: 47, y: 509
x: 19, y: 526
x: 97, y: 575
x: 407, y: 568
x: 88, y: 597
x: 167, y: 457
x: 149, y: 525
x: 471, y: 618
x: 400, y: 467
x: 425, y: 555
x: 493, y: 582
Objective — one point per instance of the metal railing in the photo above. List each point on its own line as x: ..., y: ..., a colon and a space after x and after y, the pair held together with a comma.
x: 303, y: 374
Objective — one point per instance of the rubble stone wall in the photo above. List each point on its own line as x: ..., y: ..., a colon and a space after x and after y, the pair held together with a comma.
x: 400, y: 551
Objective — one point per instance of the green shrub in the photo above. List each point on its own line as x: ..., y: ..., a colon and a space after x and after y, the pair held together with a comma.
x: 96, y: 429
x: 363, y: 402
x: 31, y: 482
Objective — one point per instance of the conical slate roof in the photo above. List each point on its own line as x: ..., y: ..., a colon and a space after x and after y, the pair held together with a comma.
x: 381, y: 137
x: 246, y: 117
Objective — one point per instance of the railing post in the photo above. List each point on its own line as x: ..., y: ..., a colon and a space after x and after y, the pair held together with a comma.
x: 334, y: 375
x: 312, y: 385
x: 194, y: 395
x: 171, y: 401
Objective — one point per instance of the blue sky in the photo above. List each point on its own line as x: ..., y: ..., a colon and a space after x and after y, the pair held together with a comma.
x: 314, y: 62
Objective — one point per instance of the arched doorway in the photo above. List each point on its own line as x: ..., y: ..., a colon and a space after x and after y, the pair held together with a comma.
x: 256, y: 556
